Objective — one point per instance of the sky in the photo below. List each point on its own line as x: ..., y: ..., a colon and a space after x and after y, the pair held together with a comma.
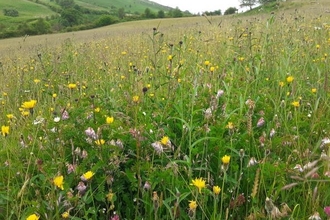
x: 195, y: 6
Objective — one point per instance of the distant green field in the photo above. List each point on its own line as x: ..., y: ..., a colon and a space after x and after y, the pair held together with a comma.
x: 129, y: 5
x: 26, y: 9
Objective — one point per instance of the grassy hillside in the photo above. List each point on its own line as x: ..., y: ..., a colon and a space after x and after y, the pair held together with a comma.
x: 130, y: 6
x: 27, y: 9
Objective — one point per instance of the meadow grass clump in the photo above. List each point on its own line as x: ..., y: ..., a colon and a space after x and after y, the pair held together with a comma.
x: 207, y: 122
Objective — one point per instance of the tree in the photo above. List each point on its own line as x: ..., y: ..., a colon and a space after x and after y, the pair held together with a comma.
x: 66, y: 3
x: 161, y: 14
x: 41, y: 26
x: 10, y: 12
x: 231, y: 10
x: 121, y: 13
x: 266, y: 1
x: 177, y: 13
x: 70, y: 17
x: 148, y: 13
x: 106, y: 20
x: 249, y: 3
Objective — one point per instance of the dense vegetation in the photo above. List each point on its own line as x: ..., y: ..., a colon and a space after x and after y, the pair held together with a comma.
x: 226, y: 118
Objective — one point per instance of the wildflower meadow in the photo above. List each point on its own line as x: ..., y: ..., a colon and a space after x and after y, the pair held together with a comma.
x: 191, y: 118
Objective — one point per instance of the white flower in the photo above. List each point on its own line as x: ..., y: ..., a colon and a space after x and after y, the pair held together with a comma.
x: 57, y: 119
x: 38, y: 120
x: 208, y: 113
x: 158, y: 147
x: 219, y: 93
x: 91, y: 133
x: 252, y: 162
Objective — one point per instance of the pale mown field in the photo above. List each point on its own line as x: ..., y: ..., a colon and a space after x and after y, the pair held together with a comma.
x: 192, y: 118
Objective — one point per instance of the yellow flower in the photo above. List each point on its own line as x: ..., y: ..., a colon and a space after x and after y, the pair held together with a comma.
x: 97, y: 109
x: 10, y: 116
x: 199, y: 183
x: 65, y: 215
x: 25, y: 113
x: 206, y: 63
x: 58, y: 181
x: 164, y: 140
x: 4, y: 130
x: 54, y: 95
x: 99, y: 142
x: 29, y: 104
x: 88, y: 175
x: 225, y: 159
x: 318, y: 46
x: 216, y: 190
x: 192, y: 205
x: 289, y: 79
x: 230, y: 125
x: 32, y: 217
x: 281, y: 84
x: 110, y: 196
x: 136, y: 98
x: 109, y: 120
x: 72, y: 86
x: 314, y: 90
x: 212, y: 68
x: 295, y: 104
x: 170, y: 57
x: 36, y: 81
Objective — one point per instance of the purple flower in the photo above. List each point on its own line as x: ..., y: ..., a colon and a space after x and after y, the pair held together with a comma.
x: 115, y: 217
x: 327, y: 210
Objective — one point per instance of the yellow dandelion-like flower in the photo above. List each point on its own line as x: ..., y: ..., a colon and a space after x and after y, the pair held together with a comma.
x: 225, y: 159
x: 65, y: 215
x: 10, y: 116
x: 109, y: 120
x: 318, y: 46
x: 289, y: 79
x: 33, y: 217
x: 25, y: 113
x: 54, y: 95
x: 59, y: 181
x: 29, y: 104
x: 100, y: 142
x: 281, y: 84
x: 170, y: 57
x: 4, y: 130
x: 212, y: 68
x: 36, y: 81
x: 97, y: 110
x: 72, y: 86
x: 192, y: 205
x: 165, y: 140
x: 199, y: 183
x: 206, y: 63
x: 216, y: 190
x: 314, y: 90
x: 295, y: 103
x: 88, y: 175
x: 230, y: 125
x: 136, y: 98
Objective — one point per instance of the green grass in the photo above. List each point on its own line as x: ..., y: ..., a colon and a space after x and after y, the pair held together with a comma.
x: 26, y: 9
x: 131, y: 6
x: 254, y: 89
